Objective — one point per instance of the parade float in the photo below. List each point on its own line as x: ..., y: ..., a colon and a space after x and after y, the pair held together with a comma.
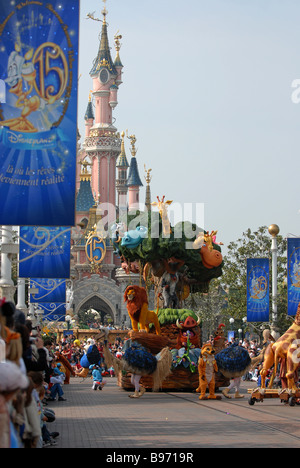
x: 174, y: 262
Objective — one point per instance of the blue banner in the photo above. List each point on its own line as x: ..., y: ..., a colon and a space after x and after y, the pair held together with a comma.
x: 49, y: 290
x: 45, y: 252
x: 38, y: 111
x: 258, y: 290
x: 293, y: 270
x: 53, y: 312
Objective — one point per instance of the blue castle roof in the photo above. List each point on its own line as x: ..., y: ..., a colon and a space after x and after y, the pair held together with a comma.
x: 133, y: 176
x: 85, y: 199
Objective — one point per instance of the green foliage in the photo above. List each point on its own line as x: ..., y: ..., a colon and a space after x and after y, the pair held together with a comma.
x: 178, y: 245
x: 255, y: 244
x: 169, y: 316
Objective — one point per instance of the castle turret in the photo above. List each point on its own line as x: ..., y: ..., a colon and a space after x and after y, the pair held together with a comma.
x: 85, y: 199
x: 89, y: 117
x: 122, y: 167
x: 134, y: 182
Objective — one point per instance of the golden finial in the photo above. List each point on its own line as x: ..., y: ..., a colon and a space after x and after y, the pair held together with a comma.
x: 132, y: 139
x: 85, y: 175
x: 117, y: 38
x: 104, y: 12
x: 148, y: 177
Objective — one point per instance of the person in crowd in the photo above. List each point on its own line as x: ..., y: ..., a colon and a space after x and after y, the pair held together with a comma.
x: 56, y: 381
x: 12, y: 380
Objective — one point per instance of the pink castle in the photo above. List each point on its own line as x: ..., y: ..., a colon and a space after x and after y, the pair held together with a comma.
x: 104, y: 176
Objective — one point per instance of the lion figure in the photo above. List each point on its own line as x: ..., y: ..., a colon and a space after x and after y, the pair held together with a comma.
x: 207, y: 367
x: 137, y: 307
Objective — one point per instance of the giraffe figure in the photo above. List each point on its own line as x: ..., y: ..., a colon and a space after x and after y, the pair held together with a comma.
x: 162, y: 208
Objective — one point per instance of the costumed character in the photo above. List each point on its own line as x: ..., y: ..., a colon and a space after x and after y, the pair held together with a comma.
x: 233, y: 362
x: 219, y: 338
x: 168, y: 284
x: 91, y: 356
x: 98, y: 382
x: 187, y: 351
x: 207, y: 368
x: 67, y: 366
x: 137, y: 307
x: 286, y: 348
x: 138, y: 361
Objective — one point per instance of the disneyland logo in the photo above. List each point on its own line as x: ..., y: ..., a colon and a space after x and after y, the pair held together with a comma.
x: 181, y: 221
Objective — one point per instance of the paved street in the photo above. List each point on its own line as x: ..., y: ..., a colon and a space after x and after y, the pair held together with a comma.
x: 109, y: 419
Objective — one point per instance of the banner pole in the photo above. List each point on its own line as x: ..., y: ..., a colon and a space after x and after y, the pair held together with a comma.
x: 273, y: 231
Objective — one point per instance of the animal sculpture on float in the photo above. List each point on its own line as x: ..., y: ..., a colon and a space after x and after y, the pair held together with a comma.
x: 210, y: 257
x: 162, y: 206
x: 286, y: 349
x: 187, y: 351
x: 134, y: 237
x: 207, y: 367
x: 139, y: 313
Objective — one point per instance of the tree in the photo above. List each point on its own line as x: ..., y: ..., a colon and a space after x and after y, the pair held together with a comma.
x: 234, y: 279
x: 210, y: 307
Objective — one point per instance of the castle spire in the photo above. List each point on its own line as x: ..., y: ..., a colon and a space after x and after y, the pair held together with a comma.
x: 148, y: 179
x: 103, y: 59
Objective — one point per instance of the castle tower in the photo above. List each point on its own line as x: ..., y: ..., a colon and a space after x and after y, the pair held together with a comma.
x: 134, y: 182
x: 102, y: 143
x: 89, y: 117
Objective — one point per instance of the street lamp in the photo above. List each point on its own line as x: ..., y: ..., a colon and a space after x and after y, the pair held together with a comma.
x: 273, y: 231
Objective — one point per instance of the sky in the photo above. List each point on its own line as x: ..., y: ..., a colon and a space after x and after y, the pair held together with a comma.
x: 210, y: 90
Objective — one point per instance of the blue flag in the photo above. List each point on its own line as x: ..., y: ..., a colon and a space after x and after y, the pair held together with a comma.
x: 49, y: 290
x: 258, y: 290
x: 53, y: 312
x: 38, y: 111
x: 293, y: 277
x: 45, y: 252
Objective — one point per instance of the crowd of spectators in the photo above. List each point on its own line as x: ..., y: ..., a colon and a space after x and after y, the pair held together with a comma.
x: 32, y: 375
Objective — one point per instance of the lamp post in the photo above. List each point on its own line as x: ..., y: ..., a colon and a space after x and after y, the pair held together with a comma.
x: 231, y: 321
x: 273, y: 231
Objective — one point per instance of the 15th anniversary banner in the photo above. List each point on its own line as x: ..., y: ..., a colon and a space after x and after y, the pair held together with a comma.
x: 258, y: 289
x: 293, y: 277
x: 38, y: 111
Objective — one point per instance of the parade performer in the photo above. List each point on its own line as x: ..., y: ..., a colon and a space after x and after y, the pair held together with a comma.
x: 207, y: 368
x: 91, y: 356
x: 67, y: 366
x: 98, y: 382
x: 138, y: 361
x: 233, y: 362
